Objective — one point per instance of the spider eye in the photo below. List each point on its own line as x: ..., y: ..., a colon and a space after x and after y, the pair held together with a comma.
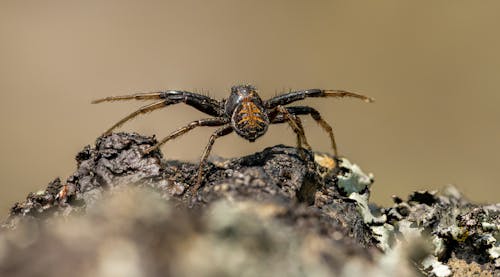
x: 243, y: 89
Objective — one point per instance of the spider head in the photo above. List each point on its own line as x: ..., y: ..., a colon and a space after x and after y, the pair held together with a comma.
x: 248, y: 116
x: 239, y: 94
x: 242, y: 91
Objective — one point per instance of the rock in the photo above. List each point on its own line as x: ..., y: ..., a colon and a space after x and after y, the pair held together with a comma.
x: 279, y: 212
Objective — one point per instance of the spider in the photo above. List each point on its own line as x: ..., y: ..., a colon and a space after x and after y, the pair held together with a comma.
x: 243, y: 112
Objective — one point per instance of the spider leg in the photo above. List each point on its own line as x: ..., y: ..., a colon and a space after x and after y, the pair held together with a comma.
x: 293, y: 96
x: 136, y: 96
x: 304, y: 110
x: 200, y: 102
x: 222, y: 131
x: 299, y: 136
x: 296, y: 125
x: 281, y: 119
x: 218, y: 121
x: 142, y: 110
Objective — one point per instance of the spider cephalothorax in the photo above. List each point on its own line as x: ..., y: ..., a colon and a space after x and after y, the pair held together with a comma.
x: 243, y: 112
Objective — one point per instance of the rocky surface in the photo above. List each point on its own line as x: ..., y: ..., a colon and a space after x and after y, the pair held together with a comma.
x: 279, y: 212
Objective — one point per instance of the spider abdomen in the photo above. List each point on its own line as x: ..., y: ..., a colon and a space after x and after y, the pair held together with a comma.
x: 249, y: 120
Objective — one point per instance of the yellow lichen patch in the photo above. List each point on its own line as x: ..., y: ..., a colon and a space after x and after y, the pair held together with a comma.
x: 325, y: 161
x: 462, y: 236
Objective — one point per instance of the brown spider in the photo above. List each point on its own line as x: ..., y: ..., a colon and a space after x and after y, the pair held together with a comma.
x: 243, y: 112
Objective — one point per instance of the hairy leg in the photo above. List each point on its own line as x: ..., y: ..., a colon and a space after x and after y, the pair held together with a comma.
x: 217, y: 121
x: 142, y: 110
x: 222, y: 131
x: 136, y: 96
x: 295, y: 123
x: 200, y: 102
x: 304, y: 110
x: 293, y: 96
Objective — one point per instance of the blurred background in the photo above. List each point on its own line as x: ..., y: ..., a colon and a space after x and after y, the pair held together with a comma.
x: 433, y: 67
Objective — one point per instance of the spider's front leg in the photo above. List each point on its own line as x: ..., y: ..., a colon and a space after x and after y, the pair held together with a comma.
x: 293, y: 96
x: 222, y: 131
x: 200, y: 102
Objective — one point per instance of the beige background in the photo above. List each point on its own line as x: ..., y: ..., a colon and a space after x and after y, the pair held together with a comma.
x: 433, y: 67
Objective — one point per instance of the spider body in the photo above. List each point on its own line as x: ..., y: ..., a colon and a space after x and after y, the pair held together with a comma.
x: 246, y: 110
x: 243, y: 112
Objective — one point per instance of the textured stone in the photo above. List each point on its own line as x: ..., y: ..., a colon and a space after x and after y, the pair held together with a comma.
x: 274, y: 213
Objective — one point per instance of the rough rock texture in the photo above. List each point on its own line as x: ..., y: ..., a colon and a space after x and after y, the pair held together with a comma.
x: 280, y: 212
x: 461, y: 232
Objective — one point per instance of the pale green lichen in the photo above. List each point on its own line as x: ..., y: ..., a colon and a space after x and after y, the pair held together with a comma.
x: 489, y: 226
x: 436, y: 267
x: 364, y: 209
x: 385, y: 236
x: 354, y: 179
x: 439, y: 246
x: 403, y: 233
x: 494, y: 252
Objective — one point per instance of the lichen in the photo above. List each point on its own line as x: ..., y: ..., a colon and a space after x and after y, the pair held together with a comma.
x: 352, y: 178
